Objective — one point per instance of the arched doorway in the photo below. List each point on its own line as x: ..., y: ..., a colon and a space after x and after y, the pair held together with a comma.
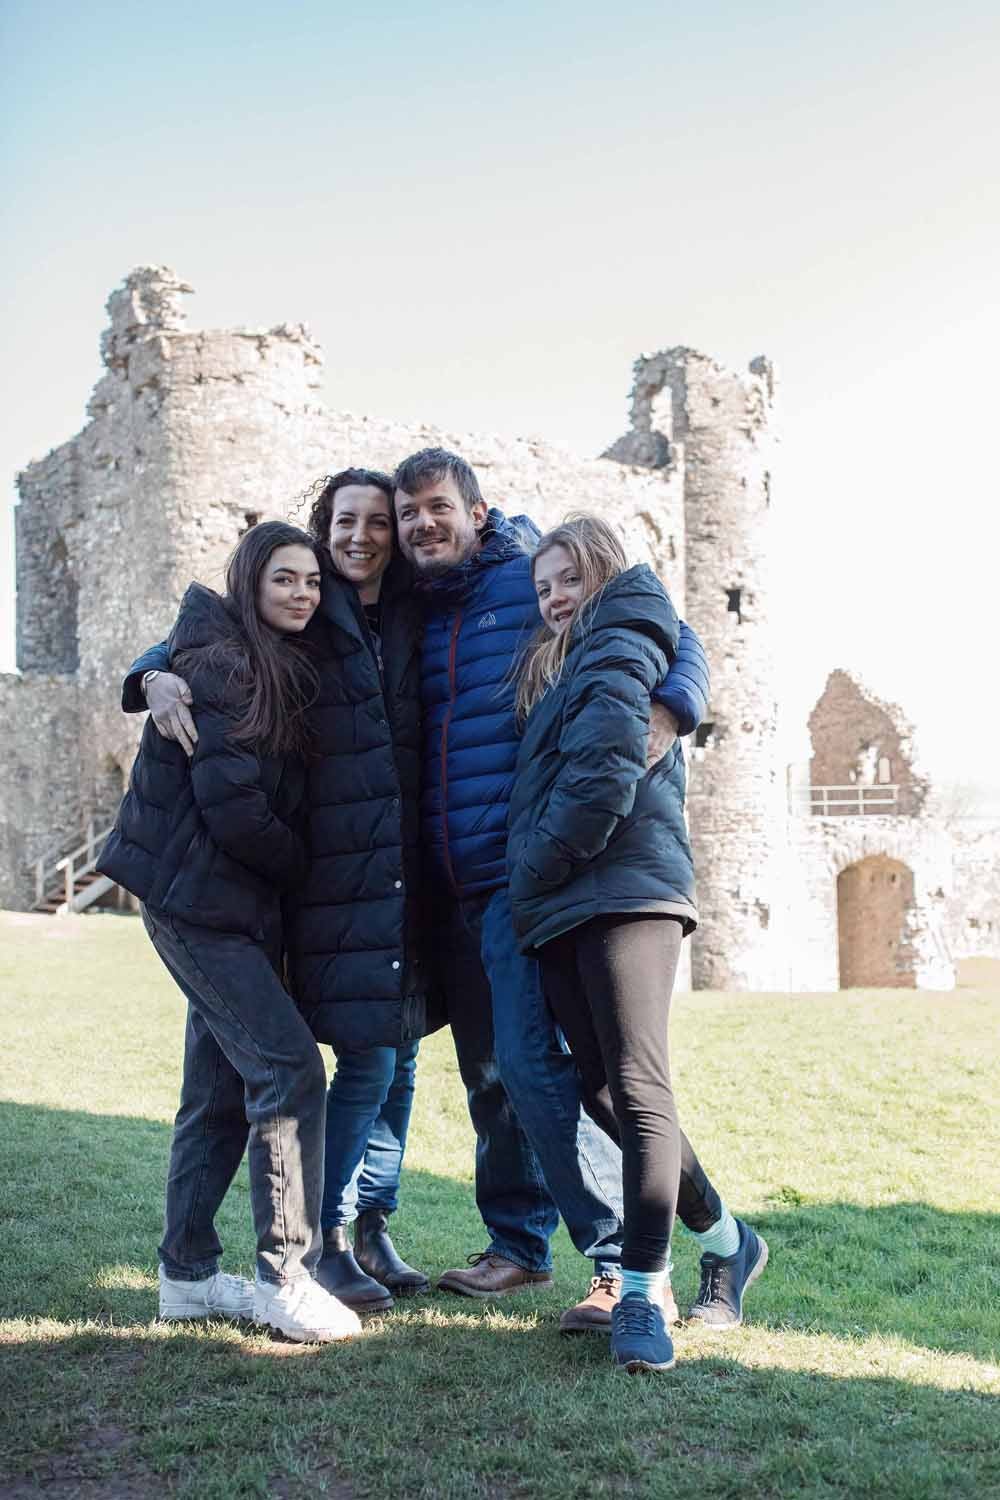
x: 874, y: 898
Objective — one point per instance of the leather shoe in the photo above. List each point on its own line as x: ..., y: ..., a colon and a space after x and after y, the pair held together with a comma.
x: 339, y: 1274
x: 376, y: 1254
x: 593, y: 1314
x: 491, y: 1275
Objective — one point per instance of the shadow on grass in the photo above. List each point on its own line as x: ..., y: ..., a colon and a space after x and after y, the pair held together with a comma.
x: 910, y: 1269
x: 81, y: 1199
x: 493, y: 1405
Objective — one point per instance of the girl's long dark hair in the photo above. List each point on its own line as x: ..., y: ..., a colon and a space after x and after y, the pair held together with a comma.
x: 270, y: 672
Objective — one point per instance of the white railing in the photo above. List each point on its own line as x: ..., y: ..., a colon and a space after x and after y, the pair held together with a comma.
x: 62, y: 875
x: 844, y: 801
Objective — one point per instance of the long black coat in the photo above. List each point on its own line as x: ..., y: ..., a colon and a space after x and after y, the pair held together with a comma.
x: 212, y: 840
x: 351, y: 929
x: 591, y: 831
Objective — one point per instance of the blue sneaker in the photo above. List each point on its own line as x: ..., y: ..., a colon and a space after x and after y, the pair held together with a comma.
x: 724, y: 1281
x: 639, y: 1337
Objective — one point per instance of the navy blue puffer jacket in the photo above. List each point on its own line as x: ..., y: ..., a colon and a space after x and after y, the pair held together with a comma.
x: 591, y: 830
x: 351, y: 925
x: 216, y: 839
x: 476, y: 619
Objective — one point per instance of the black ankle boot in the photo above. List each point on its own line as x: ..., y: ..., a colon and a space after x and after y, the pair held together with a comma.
x: 339, y: 1274
x: 376, y: 1254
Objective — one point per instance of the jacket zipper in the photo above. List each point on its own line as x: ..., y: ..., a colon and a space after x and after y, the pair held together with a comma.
x: 452, y: 653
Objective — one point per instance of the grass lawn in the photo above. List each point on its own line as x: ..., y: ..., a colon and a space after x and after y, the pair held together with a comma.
x: 857, y: 1132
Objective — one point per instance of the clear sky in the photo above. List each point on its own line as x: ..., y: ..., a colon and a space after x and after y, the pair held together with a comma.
x: 485, y: 213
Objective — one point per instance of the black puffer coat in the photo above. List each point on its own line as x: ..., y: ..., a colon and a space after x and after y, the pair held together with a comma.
x: 591, y: 831
x: 211, y: 840
x: 351, y: 928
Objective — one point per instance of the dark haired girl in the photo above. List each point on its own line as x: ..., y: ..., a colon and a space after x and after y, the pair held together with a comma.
x: 209, y: 845
x: 351, y: 927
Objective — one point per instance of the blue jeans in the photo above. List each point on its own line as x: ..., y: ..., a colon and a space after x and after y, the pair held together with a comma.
x: 367, y: 1116
x: 538, y: 1155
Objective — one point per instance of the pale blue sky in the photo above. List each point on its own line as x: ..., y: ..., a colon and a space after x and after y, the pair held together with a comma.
x: 485, y: 213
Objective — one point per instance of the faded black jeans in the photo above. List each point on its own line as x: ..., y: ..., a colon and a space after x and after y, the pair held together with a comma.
x: 253, y: 1075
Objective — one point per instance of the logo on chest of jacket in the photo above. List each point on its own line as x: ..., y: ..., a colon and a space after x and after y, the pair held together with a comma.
x: 487, y: 621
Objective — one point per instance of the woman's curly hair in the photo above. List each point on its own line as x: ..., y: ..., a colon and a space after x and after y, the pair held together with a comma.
x: 322, y: 492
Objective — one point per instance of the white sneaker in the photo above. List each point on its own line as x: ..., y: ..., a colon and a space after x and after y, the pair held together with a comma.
x: 218, y: 1296
x: 303, y: 1311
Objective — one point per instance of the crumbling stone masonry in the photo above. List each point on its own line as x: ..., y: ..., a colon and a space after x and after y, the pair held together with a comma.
x: 708, y: 430
x: 193, y: 436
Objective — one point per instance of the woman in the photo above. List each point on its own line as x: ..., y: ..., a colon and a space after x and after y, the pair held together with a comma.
x: 209, y: 845
x: 602, y: 888
x: 371, y: 629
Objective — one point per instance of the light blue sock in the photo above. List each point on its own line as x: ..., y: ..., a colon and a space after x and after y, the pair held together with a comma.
x: 722, y: 1239
x: 648, y: 1284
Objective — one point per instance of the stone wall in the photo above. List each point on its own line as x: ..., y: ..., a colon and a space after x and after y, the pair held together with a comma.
x: 822, y: 851
x: 858, y: 739
x: 707, y: 430
x: 40, y: 794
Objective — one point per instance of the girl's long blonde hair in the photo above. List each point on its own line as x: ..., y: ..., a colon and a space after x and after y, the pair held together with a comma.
x: 598, y: 556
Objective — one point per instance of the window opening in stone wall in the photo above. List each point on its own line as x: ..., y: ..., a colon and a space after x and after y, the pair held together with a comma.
x: 251, y: 517
x: 733, y: 605
x: 703, y: 734
x: 884, y: 770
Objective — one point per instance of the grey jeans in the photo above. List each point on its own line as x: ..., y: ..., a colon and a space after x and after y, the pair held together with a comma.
x: 253, y: 1077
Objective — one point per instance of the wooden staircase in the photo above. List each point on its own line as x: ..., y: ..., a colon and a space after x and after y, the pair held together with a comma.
x: 66, y: 880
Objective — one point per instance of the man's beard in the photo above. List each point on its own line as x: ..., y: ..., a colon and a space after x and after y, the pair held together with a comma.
x: 427, y: 569
x: 434, y: 568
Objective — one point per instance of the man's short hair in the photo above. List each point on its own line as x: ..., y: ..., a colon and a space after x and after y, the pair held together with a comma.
x: 430, y: 466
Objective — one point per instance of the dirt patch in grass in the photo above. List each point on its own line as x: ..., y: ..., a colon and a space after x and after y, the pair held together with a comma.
x: 71, y: 1476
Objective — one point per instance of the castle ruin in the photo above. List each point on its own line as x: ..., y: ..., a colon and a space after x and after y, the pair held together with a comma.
x: 834, y: 876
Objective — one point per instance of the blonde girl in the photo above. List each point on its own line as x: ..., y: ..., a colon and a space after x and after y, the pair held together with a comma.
x: 602, y: 892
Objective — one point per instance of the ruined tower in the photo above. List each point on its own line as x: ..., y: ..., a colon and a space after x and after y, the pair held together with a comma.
x: 191, y: 437
x: 708, y: 429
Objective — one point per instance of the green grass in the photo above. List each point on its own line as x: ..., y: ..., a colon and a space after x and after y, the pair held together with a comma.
x: 857, y: 1132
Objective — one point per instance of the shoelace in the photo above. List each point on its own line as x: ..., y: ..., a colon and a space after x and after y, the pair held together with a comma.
x: 477, y: 1260
x: 708, y: 1292
x: 635, y: 1316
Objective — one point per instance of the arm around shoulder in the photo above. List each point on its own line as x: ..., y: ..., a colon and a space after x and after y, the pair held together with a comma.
x: 685, y: 688
x: 155, y: 659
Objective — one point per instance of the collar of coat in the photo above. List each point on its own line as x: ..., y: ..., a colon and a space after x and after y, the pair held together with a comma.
x: 504, y: 539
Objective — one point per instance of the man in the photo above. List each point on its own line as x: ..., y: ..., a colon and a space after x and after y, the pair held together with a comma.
x: 538, y: 1154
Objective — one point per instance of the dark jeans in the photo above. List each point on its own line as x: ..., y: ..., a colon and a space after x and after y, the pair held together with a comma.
x: 367, y: 1117
x: 609, y: 983
x: 252, y: 1073
x: 537, y: 1154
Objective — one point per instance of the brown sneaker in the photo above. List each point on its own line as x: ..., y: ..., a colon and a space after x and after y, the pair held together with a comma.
x: 491, y: 1275
x: 593, y: 1314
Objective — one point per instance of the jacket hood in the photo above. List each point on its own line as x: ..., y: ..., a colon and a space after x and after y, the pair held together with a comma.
x: 203, y: 619
x: 635, y: 600
x: 503, y: 538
